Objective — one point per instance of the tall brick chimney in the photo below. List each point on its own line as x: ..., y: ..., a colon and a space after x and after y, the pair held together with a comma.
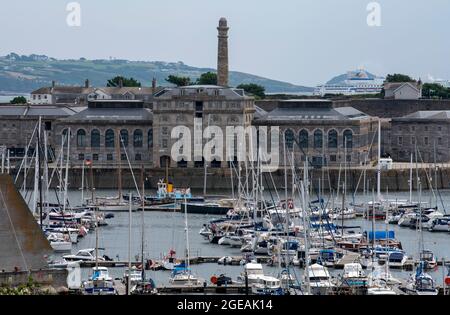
x: 86, y: 83
x: 222, y: 53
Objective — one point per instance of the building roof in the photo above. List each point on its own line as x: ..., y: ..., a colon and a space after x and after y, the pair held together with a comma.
x: 394, y: 86
x: 202, y: 90
x: 318, y: 110
x: 37, y: 110
x: 89, y: 90
x: 112, y: 114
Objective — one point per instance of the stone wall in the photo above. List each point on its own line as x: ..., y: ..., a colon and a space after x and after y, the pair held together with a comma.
x: 219, y: 179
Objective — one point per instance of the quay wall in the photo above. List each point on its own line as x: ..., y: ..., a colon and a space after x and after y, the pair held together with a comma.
x: 55, y: 278
x: 220, y: 179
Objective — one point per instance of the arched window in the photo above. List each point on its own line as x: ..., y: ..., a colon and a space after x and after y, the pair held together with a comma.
x: 303, y: 139
x: 289, y: 138
x: 137, y: 138
x: 318, y: 139
x: 81, y: 138
x: 109, y: 138
x: 348, y: 139
x: 95, y: 138
x: 332, y: 139
x: 150, y: 138
x: 124, y: 137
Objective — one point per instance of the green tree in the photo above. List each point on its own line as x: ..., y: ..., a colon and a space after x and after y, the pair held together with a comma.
x: 126, y: 82
x: 19, y: 100
x: 179, y: 81
x: 435, y: 90
x: 208, y: 78
x: 257, y: 90
x: 397, y: 77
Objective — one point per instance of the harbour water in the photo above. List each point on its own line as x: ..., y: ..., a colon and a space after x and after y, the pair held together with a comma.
x: 165, y: 230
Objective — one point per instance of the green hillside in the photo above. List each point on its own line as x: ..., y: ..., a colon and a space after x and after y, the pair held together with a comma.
x: 23, y: 74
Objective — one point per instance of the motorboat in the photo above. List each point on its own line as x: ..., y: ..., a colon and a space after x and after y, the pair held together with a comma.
x: 135, y: 275
x: 354, y: 275
x: 59, y: 243
x: 319, y: 279
x: 346, y: 214
x: 100, y: 283
x: 253, y: 272
x: 397, y: 258
x: 441, y: 224
x: 428, y: 258
x: 267, y: 285
x: 83, y: 255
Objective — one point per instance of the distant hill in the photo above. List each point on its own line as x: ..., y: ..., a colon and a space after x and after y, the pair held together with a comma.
x: 23, y: 74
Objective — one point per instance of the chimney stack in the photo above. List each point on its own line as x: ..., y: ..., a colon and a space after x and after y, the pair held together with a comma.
x: 86, y: 83
x: 53, y: 83
x: 222, y: 53
x: 154, y: 84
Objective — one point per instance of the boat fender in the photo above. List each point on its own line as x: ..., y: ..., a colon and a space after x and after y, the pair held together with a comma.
x: 213, y: 279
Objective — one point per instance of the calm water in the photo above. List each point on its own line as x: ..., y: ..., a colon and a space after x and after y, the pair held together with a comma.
x: 165, y: 230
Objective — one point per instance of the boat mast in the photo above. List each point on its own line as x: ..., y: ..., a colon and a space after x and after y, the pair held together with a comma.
x: 66, y: 172
x: 82, y: 183
x: 379, y: 165
x: 187, y: 237
x: 305, y: 200
x: 411, y: 179
x: 119, y: 166
x: 46, y: 197
x: 286, y: 200
x: 129, y: 242
x: 38, y: 158
x: 142, y: 221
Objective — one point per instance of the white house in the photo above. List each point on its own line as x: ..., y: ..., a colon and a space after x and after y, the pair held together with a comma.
x: 403, y: 90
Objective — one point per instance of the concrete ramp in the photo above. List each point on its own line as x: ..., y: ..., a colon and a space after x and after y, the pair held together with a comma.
x: 23, y: 245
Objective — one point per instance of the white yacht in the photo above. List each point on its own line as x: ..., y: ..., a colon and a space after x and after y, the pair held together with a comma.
x: 84, y: 255
x: 319, y: 279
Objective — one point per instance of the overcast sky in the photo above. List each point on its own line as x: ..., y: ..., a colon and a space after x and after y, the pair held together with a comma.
x: 300, y: 41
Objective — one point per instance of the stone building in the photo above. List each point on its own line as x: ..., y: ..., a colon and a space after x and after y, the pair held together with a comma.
x: 103, y: 130
x: 326, y: 135
x: 81, y: 95
x: 210, y: 104
x: 18, y: 123
x: 425, y: 130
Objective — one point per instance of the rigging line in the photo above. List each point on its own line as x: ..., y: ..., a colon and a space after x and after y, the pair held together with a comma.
x: 26, y: 149
x: 361, y: 174
x: 13, y: 229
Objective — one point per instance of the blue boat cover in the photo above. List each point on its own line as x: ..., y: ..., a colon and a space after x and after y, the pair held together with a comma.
x: 380, y: 235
